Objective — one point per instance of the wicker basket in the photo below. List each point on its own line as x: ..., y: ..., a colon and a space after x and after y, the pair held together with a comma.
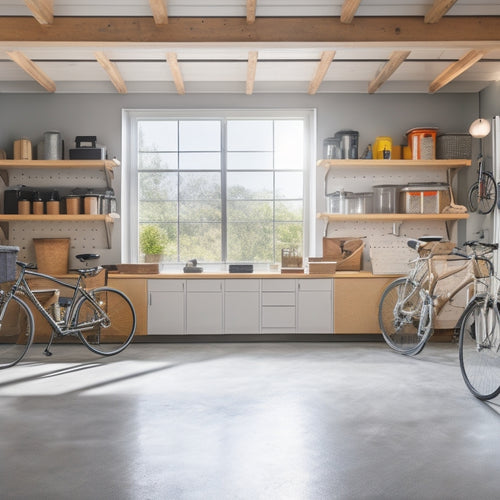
x: 52, y: 255
x: 351, y: 251
x: 454, y: 147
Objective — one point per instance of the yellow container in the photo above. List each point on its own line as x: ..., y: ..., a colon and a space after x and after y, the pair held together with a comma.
x: 382, y: 149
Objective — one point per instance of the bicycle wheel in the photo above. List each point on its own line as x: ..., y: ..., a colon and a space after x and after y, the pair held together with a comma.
x: 479, y: 348
x: 405, y: 316
x: 107, y: 336
x: 483, y: 201
x: 16, y: 331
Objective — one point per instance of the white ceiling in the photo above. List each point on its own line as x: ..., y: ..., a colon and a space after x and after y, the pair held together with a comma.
x: 222, y: 67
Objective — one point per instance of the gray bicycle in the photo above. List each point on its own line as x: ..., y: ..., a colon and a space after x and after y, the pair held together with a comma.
x: 103, y: 318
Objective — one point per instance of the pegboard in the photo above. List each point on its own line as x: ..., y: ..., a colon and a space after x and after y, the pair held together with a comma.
x: 380, y: 235
x: 86, y: 237
x: 362, y: 180
x: 62, y: 180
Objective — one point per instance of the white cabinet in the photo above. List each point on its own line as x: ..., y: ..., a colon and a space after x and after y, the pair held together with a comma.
x: 204, y: 307
x: 242, y: 306
x: 314, y: 306
x: 166, y: 307
x: 278, y: 306
x: 200, y: 306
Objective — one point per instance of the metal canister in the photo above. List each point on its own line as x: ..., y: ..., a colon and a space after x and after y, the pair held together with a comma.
x: 52, y: 145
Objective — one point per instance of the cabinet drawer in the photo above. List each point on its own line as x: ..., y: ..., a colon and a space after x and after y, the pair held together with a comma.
x: 315, y: 285
x: 278, y: 299
x: 246, y: 285
x: 278, y: 285
x: 278, y: 317
x: 204, y: 285
x: 166, y: 285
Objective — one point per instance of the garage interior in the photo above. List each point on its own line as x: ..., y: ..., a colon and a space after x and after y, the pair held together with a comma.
x: 293, y: 419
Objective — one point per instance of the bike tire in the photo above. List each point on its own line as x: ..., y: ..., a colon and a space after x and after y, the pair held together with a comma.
x: 16, y: 331
x: 479, y: 348
x: 405, y: 317
x: 487, y: 202
x: 110, y: 338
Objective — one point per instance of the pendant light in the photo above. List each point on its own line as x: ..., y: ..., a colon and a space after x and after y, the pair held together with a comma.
x: 480, y: 128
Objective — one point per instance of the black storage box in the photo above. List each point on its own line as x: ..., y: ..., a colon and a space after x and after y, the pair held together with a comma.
x: 87, y: 153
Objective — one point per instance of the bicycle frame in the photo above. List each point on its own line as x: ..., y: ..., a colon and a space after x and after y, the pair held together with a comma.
x: 426, y: 275
x: 67, y: 326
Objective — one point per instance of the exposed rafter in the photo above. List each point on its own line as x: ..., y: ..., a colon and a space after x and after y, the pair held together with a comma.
x: 113, y: 72
x: 33, y: 70
x: 251, y: 8
x: 395, y: 60
x: 176, y: 72
x: 438, y: 10
x: 264, y: 29
x: 159, y: 10
x: 324, y: 64
x: 251, y: 70
x: 42, y: 10
x: 456, y: 69
x: 349, y: 9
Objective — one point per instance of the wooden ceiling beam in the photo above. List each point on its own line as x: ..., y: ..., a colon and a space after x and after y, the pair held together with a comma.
x: 113, y: 72
x: 42, y: 10
x: 324, y: 64
x: 176, y: 72
x: 159, y: 10
x: 251, y: 70
x: 456, y: 69
x: 251, y: 8
x: 349, y: 8
x: 438, y: 10
x: 32, y: 69
x: 237, y: 30
x: 395, y: 60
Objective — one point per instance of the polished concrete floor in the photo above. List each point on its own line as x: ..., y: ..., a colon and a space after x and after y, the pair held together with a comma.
x: 246, y: 421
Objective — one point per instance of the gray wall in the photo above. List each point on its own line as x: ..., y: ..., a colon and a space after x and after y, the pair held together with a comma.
x: 29, y: 115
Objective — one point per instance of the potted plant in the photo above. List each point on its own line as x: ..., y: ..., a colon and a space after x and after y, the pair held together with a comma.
x: 152, y: 242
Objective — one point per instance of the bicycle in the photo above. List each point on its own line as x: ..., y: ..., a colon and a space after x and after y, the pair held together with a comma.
x: 482, y: 194
x: 103, y: 318
x: 479, y: 340
x: 409, y: 305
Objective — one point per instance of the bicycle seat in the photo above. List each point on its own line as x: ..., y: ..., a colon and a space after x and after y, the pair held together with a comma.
x: 83, y: 257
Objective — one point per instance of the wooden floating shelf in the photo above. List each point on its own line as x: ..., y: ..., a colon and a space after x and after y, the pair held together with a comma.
x: 391, y: 217
x: 52, y: 218
x: 106, y: 166
x: 433, y: 164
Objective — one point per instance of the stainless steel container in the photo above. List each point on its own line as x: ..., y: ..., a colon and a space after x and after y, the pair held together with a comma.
x: 52, y: 146
x: 385, y: 198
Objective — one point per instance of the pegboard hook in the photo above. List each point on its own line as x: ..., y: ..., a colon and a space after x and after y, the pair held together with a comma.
x: 396, y: 227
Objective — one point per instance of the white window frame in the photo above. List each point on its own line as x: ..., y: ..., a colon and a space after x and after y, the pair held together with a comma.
x: 129, y: 177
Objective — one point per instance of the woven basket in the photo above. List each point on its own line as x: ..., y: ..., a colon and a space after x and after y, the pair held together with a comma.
x: 351, y: 251
x: 454, y: 147
x: 52, y: 255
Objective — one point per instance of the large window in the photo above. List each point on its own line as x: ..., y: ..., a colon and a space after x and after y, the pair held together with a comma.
x: 220, y: 188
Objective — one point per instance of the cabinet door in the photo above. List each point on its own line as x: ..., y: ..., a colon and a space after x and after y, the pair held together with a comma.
x: 136, y: 291
x: 241, y: 306
x: 204, y: 307
x: 356, y: 304
x: 166, y: 308
x: 315, y: 306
